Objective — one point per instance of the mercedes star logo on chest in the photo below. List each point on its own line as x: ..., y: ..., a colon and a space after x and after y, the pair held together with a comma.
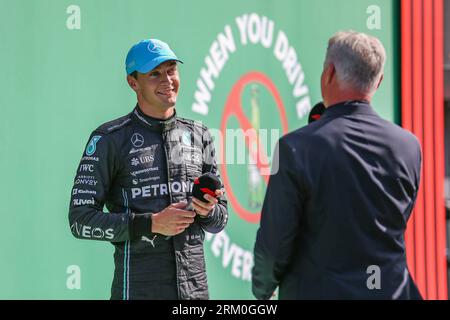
x: 137, y: 140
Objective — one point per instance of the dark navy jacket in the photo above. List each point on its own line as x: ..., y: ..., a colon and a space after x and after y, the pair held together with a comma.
x: 335, y: 212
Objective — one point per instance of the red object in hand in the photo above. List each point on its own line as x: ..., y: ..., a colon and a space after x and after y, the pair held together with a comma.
x: 207, y: 183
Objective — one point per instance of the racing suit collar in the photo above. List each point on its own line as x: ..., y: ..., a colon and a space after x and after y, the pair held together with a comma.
x: 153, y: 123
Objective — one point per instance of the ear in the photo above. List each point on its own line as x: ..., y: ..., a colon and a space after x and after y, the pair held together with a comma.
x: 330, y: 73
x: 381, y: 79
x: 132, y: 82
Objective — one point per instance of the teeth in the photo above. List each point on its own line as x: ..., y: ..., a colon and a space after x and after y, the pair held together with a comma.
x: 167, y: 92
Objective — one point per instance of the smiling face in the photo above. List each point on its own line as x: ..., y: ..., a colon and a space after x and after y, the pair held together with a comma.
x: 157, y: 90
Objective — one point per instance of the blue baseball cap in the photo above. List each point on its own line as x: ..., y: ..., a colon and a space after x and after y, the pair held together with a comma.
x: 147, y: 54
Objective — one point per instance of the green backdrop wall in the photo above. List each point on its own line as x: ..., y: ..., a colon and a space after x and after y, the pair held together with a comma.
x: 62, y: 74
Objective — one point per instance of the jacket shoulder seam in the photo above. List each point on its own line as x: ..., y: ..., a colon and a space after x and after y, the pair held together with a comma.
x: 114, y: 125
x: 191, y: 122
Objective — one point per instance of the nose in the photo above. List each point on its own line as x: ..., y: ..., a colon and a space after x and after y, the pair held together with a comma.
x: 166, y: 78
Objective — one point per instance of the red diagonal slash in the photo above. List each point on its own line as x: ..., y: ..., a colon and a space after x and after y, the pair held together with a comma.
x: 233, y: 107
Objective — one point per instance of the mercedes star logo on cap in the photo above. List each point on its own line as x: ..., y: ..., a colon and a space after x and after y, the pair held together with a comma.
x: 153, y: 46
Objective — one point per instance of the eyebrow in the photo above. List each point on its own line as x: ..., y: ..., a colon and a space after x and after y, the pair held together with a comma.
x: 171, y: 64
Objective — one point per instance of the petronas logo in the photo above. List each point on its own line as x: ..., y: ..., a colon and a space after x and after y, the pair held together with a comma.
x: 92, y: 146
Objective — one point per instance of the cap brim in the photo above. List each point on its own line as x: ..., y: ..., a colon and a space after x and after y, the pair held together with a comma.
x: 156, y: 62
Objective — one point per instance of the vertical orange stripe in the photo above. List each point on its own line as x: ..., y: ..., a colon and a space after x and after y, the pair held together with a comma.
x: 423, y: 114
x: 428, y: 150
x: 417, y: 77
x: 439, y: 152
x: 406, y: 110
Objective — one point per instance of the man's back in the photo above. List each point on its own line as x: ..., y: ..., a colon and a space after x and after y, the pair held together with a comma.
x: 361, y: 174
x: 355, y: 177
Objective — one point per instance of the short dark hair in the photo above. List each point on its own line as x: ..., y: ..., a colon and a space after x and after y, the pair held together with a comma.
x: 134, y: 74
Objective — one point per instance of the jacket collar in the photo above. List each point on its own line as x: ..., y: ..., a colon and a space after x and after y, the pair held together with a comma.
x: 154, y: 123
x: 348, y: 108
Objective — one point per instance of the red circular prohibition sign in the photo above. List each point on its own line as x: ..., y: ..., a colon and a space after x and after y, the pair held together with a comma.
x: 233, y: 107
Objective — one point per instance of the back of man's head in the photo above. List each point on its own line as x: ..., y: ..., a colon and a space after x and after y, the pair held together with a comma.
x: 358, y: 59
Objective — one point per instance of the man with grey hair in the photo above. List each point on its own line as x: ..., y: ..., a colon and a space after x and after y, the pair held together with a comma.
x: 335, y: 212
x: 357, y: 62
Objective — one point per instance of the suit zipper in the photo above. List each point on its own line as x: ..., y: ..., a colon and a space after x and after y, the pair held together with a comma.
x: 170, y: 197
x: 168, y: 168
